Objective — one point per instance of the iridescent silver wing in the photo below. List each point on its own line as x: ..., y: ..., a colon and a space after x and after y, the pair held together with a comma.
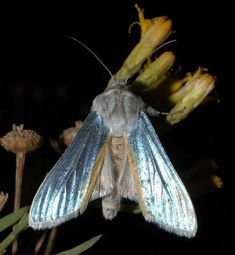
x: 161, y: 194
x: 67, y: 189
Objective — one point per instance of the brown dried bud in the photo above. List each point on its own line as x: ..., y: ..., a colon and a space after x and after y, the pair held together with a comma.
x: 21, y: 141
x: 3, y: 200
x: 68, y: 134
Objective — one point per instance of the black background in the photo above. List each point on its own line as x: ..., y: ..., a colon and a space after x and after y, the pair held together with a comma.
x: 47, y: 82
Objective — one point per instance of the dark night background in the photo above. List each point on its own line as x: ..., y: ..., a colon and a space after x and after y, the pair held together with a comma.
x: 47, y: 82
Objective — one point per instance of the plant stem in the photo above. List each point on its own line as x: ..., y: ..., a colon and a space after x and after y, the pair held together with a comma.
x: 39, y: 244
x: 20, y: 160
x: 51, y: 241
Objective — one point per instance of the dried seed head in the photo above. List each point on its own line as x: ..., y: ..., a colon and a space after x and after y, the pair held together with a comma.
x: 21, y: 141
x: 68, y: 134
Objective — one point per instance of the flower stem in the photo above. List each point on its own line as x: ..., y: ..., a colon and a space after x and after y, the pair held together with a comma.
x: 20, y: 160
x: 51, y: 241
x: 39, y: 244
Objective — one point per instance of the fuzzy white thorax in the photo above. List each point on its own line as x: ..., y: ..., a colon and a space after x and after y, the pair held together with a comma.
x: 119, y: 108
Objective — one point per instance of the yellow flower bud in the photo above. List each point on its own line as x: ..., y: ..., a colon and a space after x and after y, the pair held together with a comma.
x: 187, y: 98
x: 155, y: 72
x: 153, y: 34
x: 174, y: 85
x: 217, y: 181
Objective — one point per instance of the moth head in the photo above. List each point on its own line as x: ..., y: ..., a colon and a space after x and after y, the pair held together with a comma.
x: 115, y: 83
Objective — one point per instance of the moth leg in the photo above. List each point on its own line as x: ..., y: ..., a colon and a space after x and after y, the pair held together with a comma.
x: 154, y: 113
x: 111, y: 205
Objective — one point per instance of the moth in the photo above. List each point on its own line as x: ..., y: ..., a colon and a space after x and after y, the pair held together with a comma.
x: 116, y: 154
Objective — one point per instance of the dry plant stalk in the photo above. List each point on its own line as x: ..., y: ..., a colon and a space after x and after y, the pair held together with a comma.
x: 51, y: 241
x: 20, y: 142
x: 3, y: 200
x: 39, y: 243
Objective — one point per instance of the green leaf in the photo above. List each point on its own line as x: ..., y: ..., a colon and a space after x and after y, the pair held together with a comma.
x: 81, y: 248
x: 12, y: 218
x: 23, y: 223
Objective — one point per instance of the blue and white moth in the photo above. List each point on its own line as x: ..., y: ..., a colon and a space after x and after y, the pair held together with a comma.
x: 116, y: 154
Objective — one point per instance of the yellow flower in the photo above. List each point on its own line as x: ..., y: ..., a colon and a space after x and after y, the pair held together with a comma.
x: 153, y: 33
x: 144, y: 23
x: 155, y: 72
x: 188, y: 97
x: 217, y: 181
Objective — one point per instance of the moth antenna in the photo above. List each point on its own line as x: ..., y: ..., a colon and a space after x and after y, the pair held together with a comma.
x: 92, y: 52
x: 127, y: 78
x: 164, y: 44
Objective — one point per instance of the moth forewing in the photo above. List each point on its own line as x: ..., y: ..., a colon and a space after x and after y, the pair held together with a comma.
x: 66, y: 190
x: 162, y: 195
